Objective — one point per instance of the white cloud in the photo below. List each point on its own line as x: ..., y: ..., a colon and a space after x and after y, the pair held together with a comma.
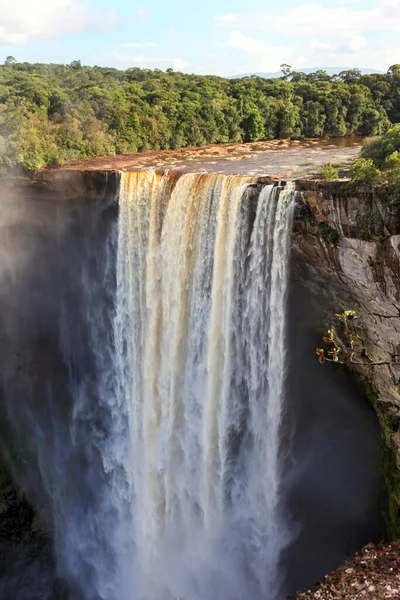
x: 354, y: 52
x: 357, y: 43
x: 150, y: 62
x: 263, y: 57
x: 21, y: 20
x: 305, y: 19
x: 139, y: 45
x: 345, y: 33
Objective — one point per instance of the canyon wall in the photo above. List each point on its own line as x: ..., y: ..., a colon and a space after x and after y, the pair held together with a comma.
x: 346, y: 251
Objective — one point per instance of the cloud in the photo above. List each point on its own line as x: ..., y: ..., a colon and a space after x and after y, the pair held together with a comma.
x: 264, y: 57
x: 141, y: 15
x: 357, y: 43
x: 139, y: 45
x: 355, y: 52
x: 150, y: 62
x: 102, y: 20
x: 22, y: 20
x: 305, y: 19
x: 349, y: 34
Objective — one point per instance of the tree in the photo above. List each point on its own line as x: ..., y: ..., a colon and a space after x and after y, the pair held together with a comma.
x: 364, y: 172
x: 380, y: 150
x: 350, y: 75
x: 76, y: 64
x: 286, y: 70
x: 10, y: 60
x: 394, y: 70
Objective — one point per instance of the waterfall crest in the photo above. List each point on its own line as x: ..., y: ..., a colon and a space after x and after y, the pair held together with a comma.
x: 199, y: 363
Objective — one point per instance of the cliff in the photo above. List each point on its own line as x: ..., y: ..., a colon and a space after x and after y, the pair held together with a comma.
x: 345, y: 255
x: 346, y: 251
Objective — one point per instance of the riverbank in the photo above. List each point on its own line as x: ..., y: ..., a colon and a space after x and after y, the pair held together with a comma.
x: 283, y: 159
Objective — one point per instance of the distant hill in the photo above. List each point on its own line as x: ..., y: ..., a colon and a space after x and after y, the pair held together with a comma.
x: 329, y: 70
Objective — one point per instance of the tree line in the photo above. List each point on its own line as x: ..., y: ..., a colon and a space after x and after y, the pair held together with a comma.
x: 53, y: 114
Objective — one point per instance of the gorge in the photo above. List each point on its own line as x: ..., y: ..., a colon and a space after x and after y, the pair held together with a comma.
x: 163, y: 407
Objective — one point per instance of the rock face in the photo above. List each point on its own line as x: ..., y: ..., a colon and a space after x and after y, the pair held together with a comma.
x: 346, y: 251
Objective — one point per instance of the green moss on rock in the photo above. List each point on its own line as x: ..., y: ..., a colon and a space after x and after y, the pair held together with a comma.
x: 370, y: 224
x: 328, y: 233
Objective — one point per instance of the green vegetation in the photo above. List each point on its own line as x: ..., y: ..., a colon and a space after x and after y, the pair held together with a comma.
x: 328, y: 172
x: 330, y: 235
x: 370, y: 223
x: 364, y: 172
x: 380, y: 163
x: 53, y: 114
x: 385, y: 152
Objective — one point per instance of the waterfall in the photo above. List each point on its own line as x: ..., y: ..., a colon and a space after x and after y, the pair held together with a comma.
x: 198, y: 388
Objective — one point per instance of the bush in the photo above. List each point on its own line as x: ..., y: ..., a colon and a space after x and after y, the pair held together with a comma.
x: 380, y: 150
x: 394, y: 185
x: 328, y: 172
x: 392, y: 162
x: 364, y: 172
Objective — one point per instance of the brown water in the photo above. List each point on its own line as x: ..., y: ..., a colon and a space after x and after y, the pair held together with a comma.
x: 286, y: 159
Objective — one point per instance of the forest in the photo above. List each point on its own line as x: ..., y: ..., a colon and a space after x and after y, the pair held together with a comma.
x: 53, y: 114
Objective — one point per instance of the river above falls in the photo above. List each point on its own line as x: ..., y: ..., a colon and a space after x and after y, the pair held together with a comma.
x: 283, y: 159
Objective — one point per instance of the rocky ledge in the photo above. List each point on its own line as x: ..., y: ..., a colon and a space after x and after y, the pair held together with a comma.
x: 371, y: 574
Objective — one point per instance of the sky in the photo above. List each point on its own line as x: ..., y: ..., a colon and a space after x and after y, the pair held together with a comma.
x: 225, y: 38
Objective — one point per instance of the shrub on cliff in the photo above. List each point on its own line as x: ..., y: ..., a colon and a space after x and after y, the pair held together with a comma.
x: 382, y: 149
x: 328, y: 172
x: 380, y: 162
x: 364, y: 172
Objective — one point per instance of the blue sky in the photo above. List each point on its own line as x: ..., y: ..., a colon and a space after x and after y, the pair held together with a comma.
x: 222, y: 38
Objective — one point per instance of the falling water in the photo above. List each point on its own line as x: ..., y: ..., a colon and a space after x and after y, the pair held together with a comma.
x: 199, y: 335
